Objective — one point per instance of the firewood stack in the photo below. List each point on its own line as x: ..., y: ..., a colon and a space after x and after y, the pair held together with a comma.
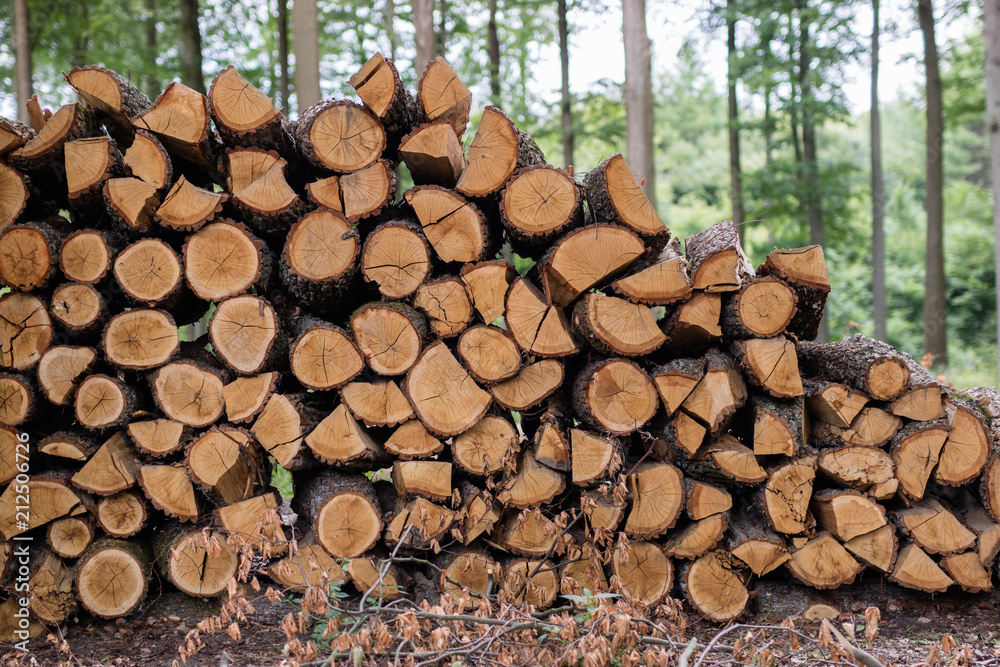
x: 628, y: 414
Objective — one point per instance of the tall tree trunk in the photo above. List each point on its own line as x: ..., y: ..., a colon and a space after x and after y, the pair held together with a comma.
x: 423, y: 25
x: 992, y: 37
x: 566, y: 102
x: 390, y: 27
x: 638, y: 95
x: 305, y: 24
x: 935, y: 307
x: 191, y: 66
x: 283, y: 83
x: 493, y: 51
x: 735, y: 173
x: 81, y: 42
x: 23, y: 69
x: 150, y: 81
x: 814, y: 203
x: 442, y: 36
x: 878, y: 195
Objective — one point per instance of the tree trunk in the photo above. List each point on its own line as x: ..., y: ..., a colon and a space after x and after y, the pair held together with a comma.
x: 191, y: 67
x: 493, y: 50
x: 283, y: 84
x: 305, y: 23
x: 390, y: 27
x: 735, y: 176
x: 442, y: 36
x: 566, y: 103
x: 150, y: 81
x: 878, y: 196
x: 992, y: 35
x: 423, y: 24
x: 639, y: 95
x: 22, y: 60
x: 935, y: 307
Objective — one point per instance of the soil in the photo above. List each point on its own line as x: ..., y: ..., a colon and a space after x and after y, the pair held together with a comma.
x: 912, y: 624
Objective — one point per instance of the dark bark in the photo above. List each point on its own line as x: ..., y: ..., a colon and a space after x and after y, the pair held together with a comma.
x: 878, y: 195
x: 493, y: 50
x: 283, y: 84
x: 390, y: 27
x: 191, y: 65
x: 735, y: 174
x: 639, y: 96
x: 423, y: 24
x: 566, y: 101
x: 150, y: 83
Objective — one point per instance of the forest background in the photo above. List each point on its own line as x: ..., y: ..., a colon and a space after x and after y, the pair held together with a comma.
x: 746, y: 110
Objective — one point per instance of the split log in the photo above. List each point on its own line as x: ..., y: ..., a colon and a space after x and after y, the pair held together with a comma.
x: 89, y: 164
x: 245, y: 397
x: 871, y: 428
x: 726, y: 459
x: 254, y: 523
x: 779, y: 426
x: 419, y: 524
x: 703, y: 500
x: 594, y: 456
x: 25, y: 330
x: 833, y: 403
x: 223, y: 259
x: 318, y: 262
x: 433, y: 154
x: 244, y: 116
x: 442, y: 95
x: 847, y: 514
x: 157, y: 437
x: 149, y: 161
x: 428, y: 479
x: 877, y: 548
x: 311, y: 566
x: 967, y: 448
x: 657, y: 491
x: 616, y: 395
x: 534, y: 484
x: 915, y: 569
x: 50, y: 582
x: 49, y: 498
x: 718, y: 395
x: 390, y: 335
x: 198, y: 562
x: 863, y: 468
x: 268, y: 203
x: 483, y: 449
x: 106, y: 91
x: 860, y: 362
x: 397, y: 258
x: 693, y: 325
x: 339, y: 440
x: 281, y: 428
x: 377, y: 403
x: 771, y: 364
x: 363, y: 194
x: 62, y: 444
x: 716, y: 259
x: 933, y: 528
x: 481, y: 512
x: 247, y: 335
x: 170, y: 490
x: 18, y: 399
x: 539, y: 328
x: 585, y: 258
x: 487, y: 284
x: 539, y: 204
x: 823, y: 563
x: 694, y: 539
x: 527, y: 533
x: 551, y: 446
x: 916, y: 450
x: 681, y: 433
x: 446, y: 304
x: 225, y: 463
x: 380, y: 88
x: 968, y: 572
x: 786, y: 494
x: 469, y: 576
x: 497, y: 151
x: 187, y: 208
x: 412, y: 441
x: 180, y: 119
x: 675, y: 380
x: 321, y: 356
x: 455, y: 227
x: 132, y: 203
x: 602, y: 511
x: 751, y: 541
x: 47, y: 147
x: 111, y: 577
x: 616, y: 327
x: 533, y: 384
x: 617, y: 197
x: 659, y: 283
x: 644, y: 572
x: 386, y: 582
x: 804, y: 269
x: 13, y: 135
x: 113, y: 468
x: 339, y: 135
x: 16, y: 191
x: 443, y: 395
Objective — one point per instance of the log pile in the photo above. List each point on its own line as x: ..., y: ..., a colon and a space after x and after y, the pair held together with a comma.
x: 623, y: 413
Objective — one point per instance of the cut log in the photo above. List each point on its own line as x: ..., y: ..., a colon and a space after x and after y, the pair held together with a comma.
x: 719, y: 394
x: 728, y: 460
x: 846, y: 514
x: 49, y: 498
x: 540, y: 329
x: 693, y: 325
x: 11, y: 630
x: 497, y: 151
x: 122, y: 514
x: 616, y: 327
x: 716, y: 259
x: 871, y: 428
x: 106, y: 91
x: 455, y: 227
x: 786, y: 496
x: 245, y: 397
x: 772, y: 365
x: 419, y: 524
x: 80, y: 309
x: 481, y: 512
x: 14, y: 187
x: 383, y: 581
x: 245, y: 165
x: 363, y: 194
x: 644, y: 572
x: 779, y: 426
x: 150, y: 273
x: 412, y: 441
x: 111, y: 577
x: 281, y: 429
x: 489, y: 353
x: 446, y: 304
x: 762, y: 308
x: 390, y: 335
x: 428, y: 479
x: 833, y: 403
x: 102, y: 403
x: 916, y: 450
x: 244, y: 116
x: 487, y: 284
x: 616, y: 197
x: 46, y: 148
x: 964, y: 454
x: 397, y: 258
x: 603, y: 512
x: 187, y: 208
x: 859, y: 362
x: 157, y: 437
x: 311, y: 566
x: 255, y: 523
x: 966, y: 571
x: 660, y: 283
x: 539, y: 204
x: 583, y: 571
x: 85, y: 256
x: 804, y: 269
x: 149, y: 161
x: 534, y: 383
x: 675, y: 380
x: 170, y: 490
x: 89, y: 164
x: 69, y: 537
x: 877, y: 548
x: 10, y: 444
x: 376, y: 403
x: 616, y: 395
x: 111, y: 469
x: 585, y: 258
x: 535, y: 582
x: 469, y: 576
x: 823, y: 563
x: 63, y: 444
x: 987, y: 531
x: 933, y: 528
x: 132, y: 203
x: 527, y: 533
x: 180, y: 119
x: 442, y: 95
x: 703, y: 500
x: 919, y: 403
x: 269, y: 204
x: 339, y: 440
x: 319, y: 259
x: 534, y: 484
x: 751, y: 541
x: 444, y: 396
x: 339, y: 135
x: 247, y: 336
x: 190, y: 392
x: 380, y: 88
x: 989, y: 486
x: 915, y: 569
x: 225, y: 463
x: 198, y: 562
x: 594, y: 456
x: 657, y: 491
x: 857, y: 467
x: 223, y: 259
x: 18, y: 399
x: 322, y: 356
x: 696, y: 538
x: 13, y: 135
x: 485, y: 447
x: 25, y: 330
x: 551, y: 447
x: 433, y: 154
x: 29, y: 255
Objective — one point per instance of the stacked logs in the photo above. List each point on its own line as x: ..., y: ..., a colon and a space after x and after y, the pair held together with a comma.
x: 618, y: 408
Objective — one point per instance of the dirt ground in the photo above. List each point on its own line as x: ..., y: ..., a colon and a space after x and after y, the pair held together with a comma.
x: 911, y: 625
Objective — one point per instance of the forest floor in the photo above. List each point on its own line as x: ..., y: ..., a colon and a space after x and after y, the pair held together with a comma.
x: 915, y: 629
